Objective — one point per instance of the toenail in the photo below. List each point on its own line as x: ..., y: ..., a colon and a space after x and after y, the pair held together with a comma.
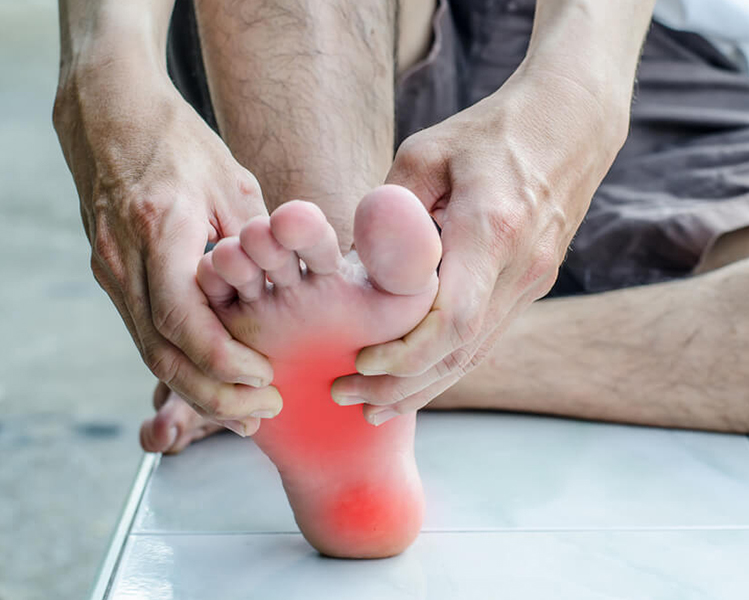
x: 236, y: 426
x: 263, y: 414
x: 379, y: 417
x: 349, y: 400
x: 371, y: 371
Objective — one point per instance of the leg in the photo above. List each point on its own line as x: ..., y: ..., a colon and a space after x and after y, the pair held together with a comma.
x: 303, y: 96
x: 670, y: 354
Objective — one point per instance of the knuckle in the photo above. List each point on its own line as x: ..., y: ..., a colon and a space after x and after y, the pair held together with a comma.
x: 168, y: 319
x: 456, y: 363
x: 419, y: 152
x: 103, y: 245
x: 542, y: 269
x: 390, y: 394
x: 412, y: 364
x: 505, y: 230
x: 99, y: 271
x: 248, y: 185
x: 214, y: 363
x: 217, y: 408
x: 106, y: 263
x: 164, y: 365
x: 465, y: 327
x: 544, y: 261
x: 145, y: 213
x: 476, y: 359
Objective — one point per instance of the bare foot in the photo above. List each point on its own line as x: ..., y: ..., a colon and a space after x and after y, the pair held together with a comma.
x: 175, y: 426
x: 354, y: 488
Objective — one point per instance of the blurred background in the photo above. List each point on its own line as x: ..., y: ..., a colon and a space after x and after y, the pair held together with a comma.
x: 72, y: 387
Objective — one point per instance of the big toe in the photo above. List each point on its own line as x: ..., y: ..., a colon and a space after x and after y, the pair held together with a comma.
x: 397, y: 241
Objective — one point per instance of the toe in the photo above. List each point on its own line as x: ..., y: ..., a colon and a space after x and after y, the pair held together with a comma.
x: 216, y: 288
x: 174, y: 427
x: 302, y: 227
x: 397, y: 241
x: 238, y: 270
x: 280, y: 264
x: 156, y: 435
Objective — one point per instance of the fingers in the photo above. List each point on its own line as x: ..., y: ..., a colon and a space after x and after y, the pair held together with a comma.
x: 404, y: 394
x: 467, y: 281
x: 108, y: 283
x: 176, y: 424
x: 240, y: 204
x: 218, y: 400
x: 181, y: 314
x: 420, y: 166
x: 377, y: 415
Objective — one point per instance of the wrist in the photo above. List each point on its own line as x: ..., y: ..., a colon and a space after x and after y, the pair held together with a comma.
x: 109, y: 36
x: 592, y: 45
x: 598, y: 103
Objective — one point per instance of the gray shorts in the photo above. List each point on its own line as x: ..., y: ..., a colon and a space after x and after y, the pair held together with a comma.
x: 680, y: 182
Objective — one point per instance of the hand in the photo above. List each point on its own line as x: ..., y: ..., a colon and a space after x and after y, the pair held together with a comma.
x: 508, y: 181
x: 155, y: 184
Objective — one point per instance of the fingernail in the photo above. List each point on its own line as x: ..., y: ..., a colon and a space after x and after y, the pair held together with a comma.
x: 380, y: 417
x: 255, y: 382
x: 348, y: 400
x: 371, y: 371
x: 263, y: 414
x: 236, y: 426
x: 173, y: 433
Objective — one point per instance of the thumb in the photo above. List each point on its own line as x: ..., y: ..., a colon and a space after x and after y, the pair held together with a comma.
x: 242, y: 200
x: 421, y: 166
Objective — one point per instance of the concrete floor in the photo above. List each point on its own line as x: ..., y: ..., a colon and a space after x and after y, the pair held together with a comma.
x: 72, y: 387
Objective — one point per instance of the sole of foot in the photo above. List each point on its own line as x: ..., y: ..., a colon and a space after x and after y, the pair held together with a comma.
x: 283, y: 288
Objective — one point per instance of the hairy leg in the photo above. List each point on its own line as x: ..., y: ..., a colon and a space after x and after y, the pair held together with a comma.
x: 669, y: 355
x: 303, y: 94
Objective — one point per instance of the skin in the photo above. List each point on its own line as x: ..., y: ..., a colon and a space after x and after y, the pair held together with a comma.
x: 504, y: 236
x: 354, y: 488
x: 309, y: 120
x: 545, y: 360
x: 155, y: 184
x: 509, y: 180
x: 149, y: 214
x: 627, y: 339
x: 668, y: 355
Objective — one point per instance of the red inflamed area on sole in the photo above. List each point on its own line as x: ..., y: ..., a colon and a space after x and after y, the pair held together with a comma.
x: 354, y: 488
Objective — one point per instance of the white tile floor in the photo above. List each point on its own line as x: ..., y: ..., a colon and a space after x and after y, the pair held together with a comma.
x: 518, y: 507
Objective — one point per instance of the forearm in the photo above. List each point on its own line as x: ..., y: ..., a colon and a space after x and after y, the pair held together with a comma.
x: 567, y: 105
x: 112, y: 70
x: 303, y: 95
x: 668, y: 355
x: 596, y: 45
x: 93, y: 33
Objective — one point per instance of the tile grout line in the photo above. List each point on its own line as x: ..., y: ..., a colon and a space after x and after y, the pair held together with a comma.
x: 674, y: 528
